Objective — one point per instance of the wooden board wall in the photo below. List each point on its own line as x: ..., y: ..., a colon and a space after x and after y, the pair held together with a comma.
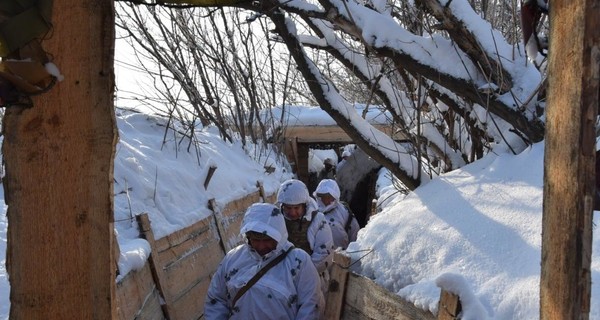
x: 137, y: 296
x: 354, y: 297
x: 367, y: 300
x: 182, y: 263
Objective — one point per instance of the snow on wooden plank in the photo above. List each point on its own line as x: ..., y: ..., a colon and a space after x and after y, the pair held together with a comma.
x: 367, y: 300
x: 330, y: 134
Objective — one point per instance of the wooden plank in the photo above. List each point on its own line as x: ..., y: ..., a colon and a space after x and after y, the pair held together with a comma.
x: 218, y: 218
x: 290, y: 149
x: 179, y: 275
x: 155, y: 263
x: 271, y: 198
x: 137, y: 296
x: 294, y: 146
x: 211, y: 171
x: 231, y: 217
x: 337, y: 286
x: 367, y: 300
x: 330, y: 134
x: 191, y: 305
x: 240, y: 205
x: 261, y: 190
x: 179, y: 243
x: 206, y: 244
x: 302, y: 166
x: 449, y: 306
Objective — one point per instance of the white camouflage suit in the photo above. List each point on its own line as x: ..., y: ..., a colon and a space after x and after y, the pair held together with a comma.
x: 336, y: 214
x: 289, y: 290
x: 319, y: 234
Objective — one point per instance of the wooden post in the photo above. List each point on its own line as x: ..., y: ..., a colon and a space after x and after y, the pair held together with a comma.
x: 573, y: 93
x: 294, y: 144
x: 59, y: 175
x: 212, y: 205
x: 261, y: 191
x: 211, y: 171
x: 337, y: 286
x: 302, y: 164
x: 155, y: 264
x: 449, y: 306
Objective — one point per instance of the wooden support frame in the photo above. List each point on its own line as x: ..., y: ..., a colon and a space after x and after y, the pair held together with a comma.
x: 337, y: 286
x: 212, y: 205
x: 155, y: 264
x: 58, y: 156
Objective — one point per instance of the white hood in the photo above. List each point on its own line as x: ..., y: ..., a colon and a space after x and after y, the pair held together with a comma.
x: 331, y: 187
x: 266, y: 219
x: 328, y: 186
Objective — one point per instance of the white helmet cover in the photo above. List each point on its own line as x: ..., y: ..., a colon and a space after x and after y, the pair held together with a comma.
x: 292, y: 192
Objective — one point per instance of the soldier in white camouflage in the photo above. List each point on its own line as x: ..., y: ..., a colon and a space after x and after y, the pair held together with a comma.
x: 306, y: 226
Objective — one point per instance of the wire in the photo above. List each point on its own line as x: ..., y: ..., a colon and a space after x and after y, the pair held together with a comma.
x: 370, y: 250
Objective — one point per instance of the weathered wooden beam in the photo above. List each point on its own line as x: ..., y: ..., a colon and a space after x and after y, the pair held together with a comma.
x: 569, y: 159
x: 302, y: 165
x: 211, y: 171
x: 212, y: 205
x: 261, y: 190
x: 337, y: 286
x: 331, y: 134
x: 156, y: 264
x: 367, y: 300
x: 449, y: 306
x: 58, y: 156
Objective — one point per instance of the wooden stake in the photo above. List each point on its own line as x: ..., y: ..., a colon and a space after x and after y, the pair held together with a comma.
x: 155, y: 264
x: 211, y: 171
x: 337, y: 286
x: 212, y: 205
x: 261, y: 191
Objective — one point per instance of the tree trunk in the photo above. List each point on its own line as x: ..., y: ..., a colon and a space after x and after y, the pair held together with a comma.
x: 59, y: 176
x: 574, y: 75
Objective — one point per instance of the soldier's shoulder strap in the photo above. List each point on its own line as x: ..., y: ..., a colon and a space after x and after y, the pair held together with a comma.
x: 348, y: 224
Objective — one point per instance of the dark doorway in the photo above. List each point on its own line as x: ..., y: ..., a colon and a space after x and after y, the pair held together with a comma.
x: 362, y: 197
